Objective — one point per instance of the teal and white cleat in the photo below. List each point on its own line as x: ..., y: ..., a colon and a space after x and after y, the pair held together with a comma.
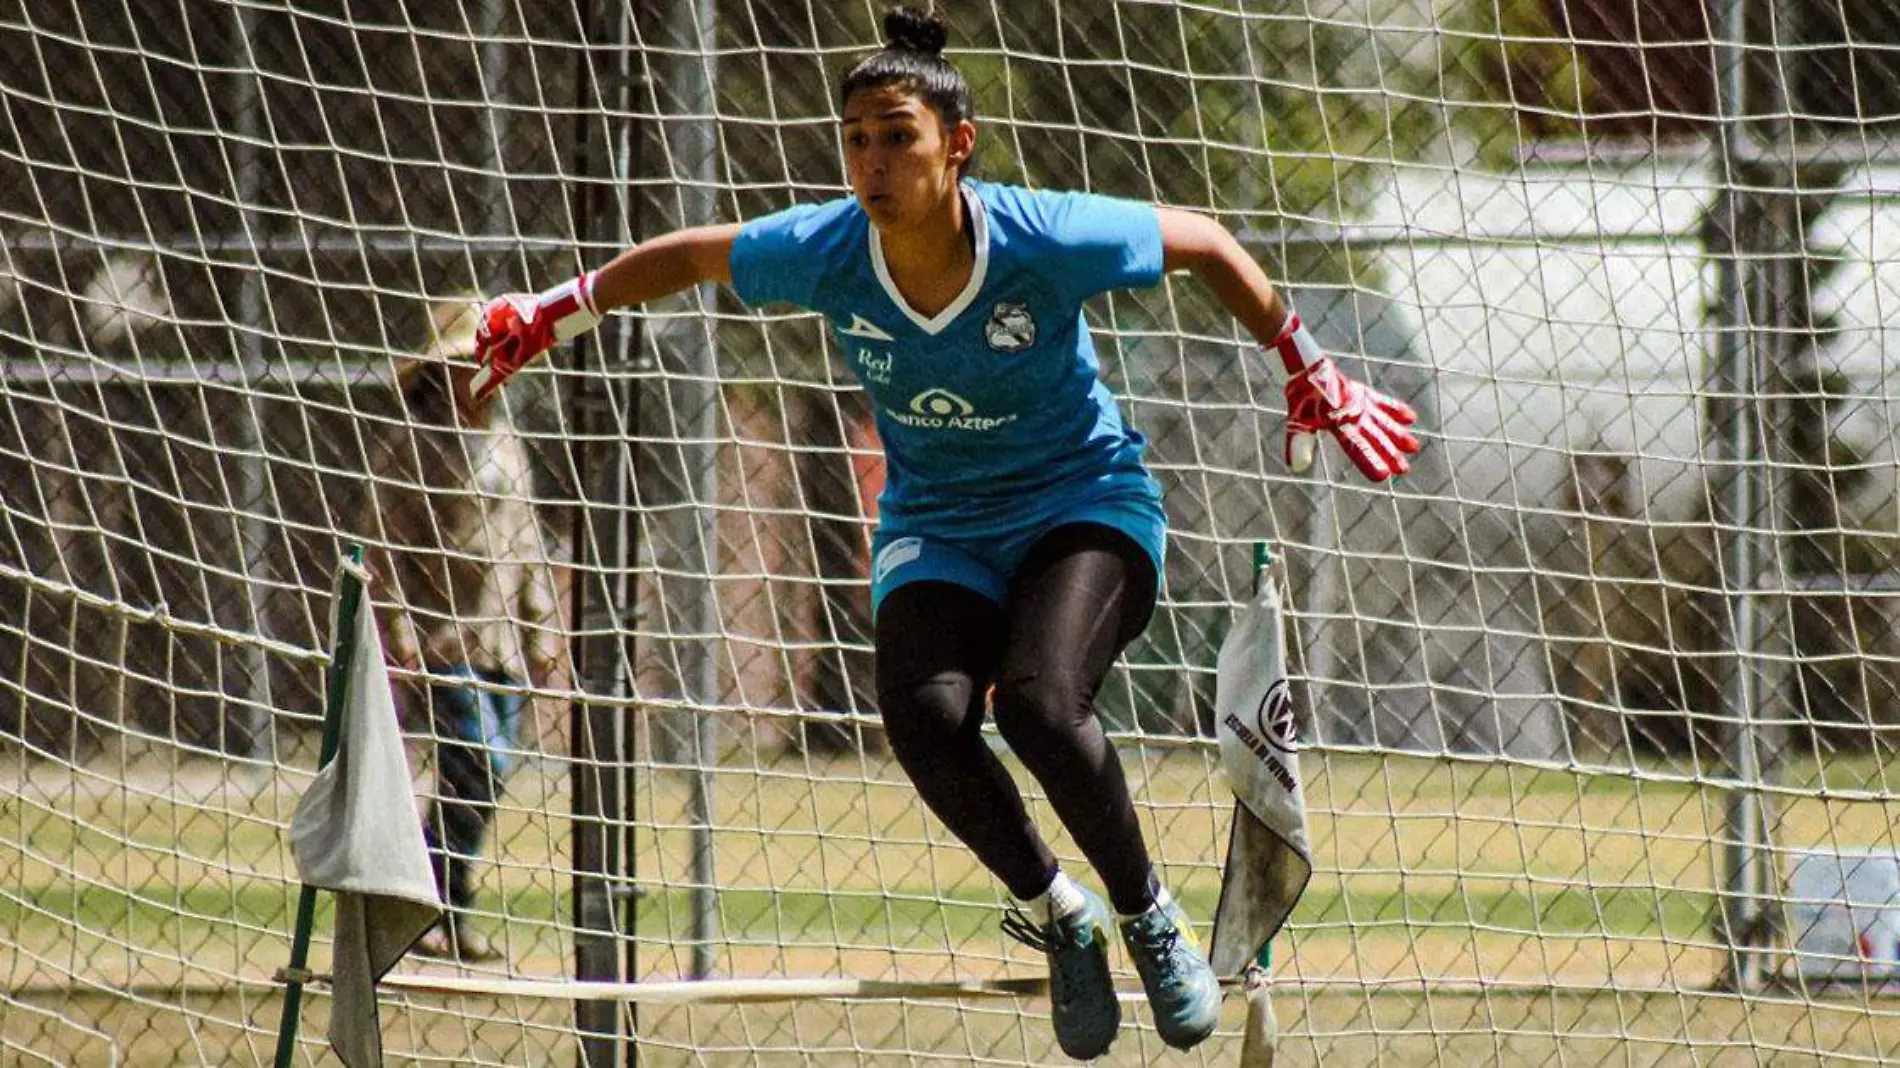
x: 1081, y: 989
x: 1182, y: 988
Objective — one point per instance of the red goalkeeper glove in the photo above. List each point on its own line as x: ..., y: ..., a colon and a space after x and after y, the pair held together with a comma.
x: 517, y: 327
x: 1369, y: 425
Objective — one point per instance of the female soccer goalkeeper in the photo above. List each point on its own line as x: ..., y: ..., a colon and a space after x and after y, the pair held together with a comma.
x: 1020, y: 535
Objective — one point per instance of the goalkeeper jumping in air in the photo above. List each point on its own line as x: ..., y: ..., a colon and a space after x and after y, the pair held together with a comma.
x: 1020, y: 535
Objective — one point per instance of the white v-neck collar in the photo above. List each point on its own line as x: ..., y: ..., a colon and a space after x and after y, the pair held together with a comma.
x: 980, y: 221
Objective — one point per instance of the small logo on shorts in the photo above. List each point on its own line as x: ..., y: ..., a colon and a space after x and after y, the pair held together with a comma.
x: 1011, y: 328
x: 896, y: 555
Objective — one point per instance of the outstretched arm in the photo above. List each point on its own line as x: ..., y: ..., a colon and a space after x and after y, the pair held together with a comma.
x: 666, y: 265
x: 1197, y: 243
x: 1369, y: 426
x: 520, y: 326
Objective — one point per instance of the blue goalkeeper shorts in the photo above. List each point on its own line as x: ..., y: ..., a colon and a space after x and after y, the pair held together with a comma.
x: 902, y: 555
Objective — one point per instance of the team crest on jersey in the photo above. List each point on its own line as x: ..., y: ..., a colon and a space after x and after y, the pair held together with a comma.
x: 1010, y: 329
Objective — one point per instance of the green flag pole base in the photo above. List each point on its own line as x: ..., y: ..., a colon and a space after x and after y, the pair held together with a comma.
x: 1262, y: 559
x: 349, y: 599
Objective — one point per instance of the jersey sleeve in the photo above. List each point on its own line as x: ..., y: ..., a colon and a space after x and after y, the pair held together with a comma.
x: 1106, y: 243
x: 773, y: 257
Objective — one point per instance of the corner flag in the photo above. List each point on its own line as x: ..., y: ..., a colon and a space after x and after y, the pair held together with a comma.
x: 1268, y: 862
x: 1268, y: 859
x: 355, y: 833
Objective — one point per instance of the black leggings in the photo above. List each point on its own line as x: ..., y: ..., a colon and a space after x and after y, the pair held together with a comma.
x: 1083, y: 592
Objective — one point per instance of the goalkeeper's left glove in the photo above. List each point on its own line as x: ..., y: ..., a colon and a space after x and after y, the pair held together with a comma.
x: 517, y: 327
x: 1369, y: 425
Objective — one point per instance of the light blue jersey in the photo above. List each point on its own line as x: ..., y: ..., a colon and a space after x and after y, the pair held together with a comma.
x: 996, y: 425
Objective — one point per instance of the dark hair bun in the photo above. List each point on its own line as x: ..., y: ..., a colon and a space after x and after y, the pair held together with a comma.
x: 909, y: 30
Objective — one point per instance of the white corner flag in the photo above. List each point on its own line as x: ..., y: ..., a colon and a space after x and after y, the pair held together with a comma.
x: 1268, y: 860
x: 356, y: 834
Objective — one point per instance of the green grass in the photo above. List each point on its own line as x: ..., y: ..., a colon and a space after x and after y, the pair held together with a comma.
x: 182, y: 915
x: 41, y: 917
x: 1597, y: 884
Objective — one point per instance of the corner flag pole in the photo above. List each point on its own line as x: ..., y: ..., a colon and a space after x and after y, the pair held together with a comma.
x: 1260, y: 1035
x: 349, y: 597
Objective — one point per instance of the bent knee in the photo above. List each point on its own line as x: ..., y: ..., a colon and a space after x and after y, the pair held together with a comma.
x: 1035, y: 712
x: 922, y: 715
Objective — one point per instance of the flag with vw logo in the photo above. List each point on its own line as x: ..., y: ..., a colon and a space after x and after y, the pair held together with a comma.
x: 1268, y: 861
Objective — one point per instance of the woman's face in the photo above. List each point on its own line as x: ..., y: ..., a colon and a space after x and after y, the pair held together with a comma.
x: 901, y: 162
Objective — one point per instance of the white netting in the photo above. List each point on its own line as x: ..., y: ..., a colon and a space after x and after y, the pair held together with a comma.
x: 1594, y: 695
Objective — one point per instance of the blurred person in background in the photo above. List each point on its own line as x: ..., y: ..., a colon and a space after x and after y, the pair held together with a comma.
x: 467, y: 593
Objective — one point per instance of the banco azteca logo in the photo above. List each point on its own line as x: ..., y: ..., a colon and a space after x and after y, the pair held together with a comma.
x: 937, y: 408
x: 1275, y: 718
x: 941, y: 403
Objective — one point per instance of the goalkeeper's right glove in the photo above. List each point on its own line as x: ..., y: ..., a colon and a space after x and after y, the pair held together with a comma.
x: 517, y: 327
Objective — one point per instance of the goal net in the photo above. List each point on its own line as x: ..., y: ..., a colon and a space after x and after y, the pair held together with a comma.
x: 1599, y: 702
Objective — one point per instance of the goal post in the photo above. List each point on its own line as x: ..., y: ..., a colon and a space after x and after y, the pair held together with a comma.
x: 1599, y: 702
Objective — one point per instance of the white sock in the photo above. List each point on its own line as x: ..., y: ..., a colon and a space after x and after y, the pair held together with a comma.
x: 1063, y: 898
x: 1162, y: 900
